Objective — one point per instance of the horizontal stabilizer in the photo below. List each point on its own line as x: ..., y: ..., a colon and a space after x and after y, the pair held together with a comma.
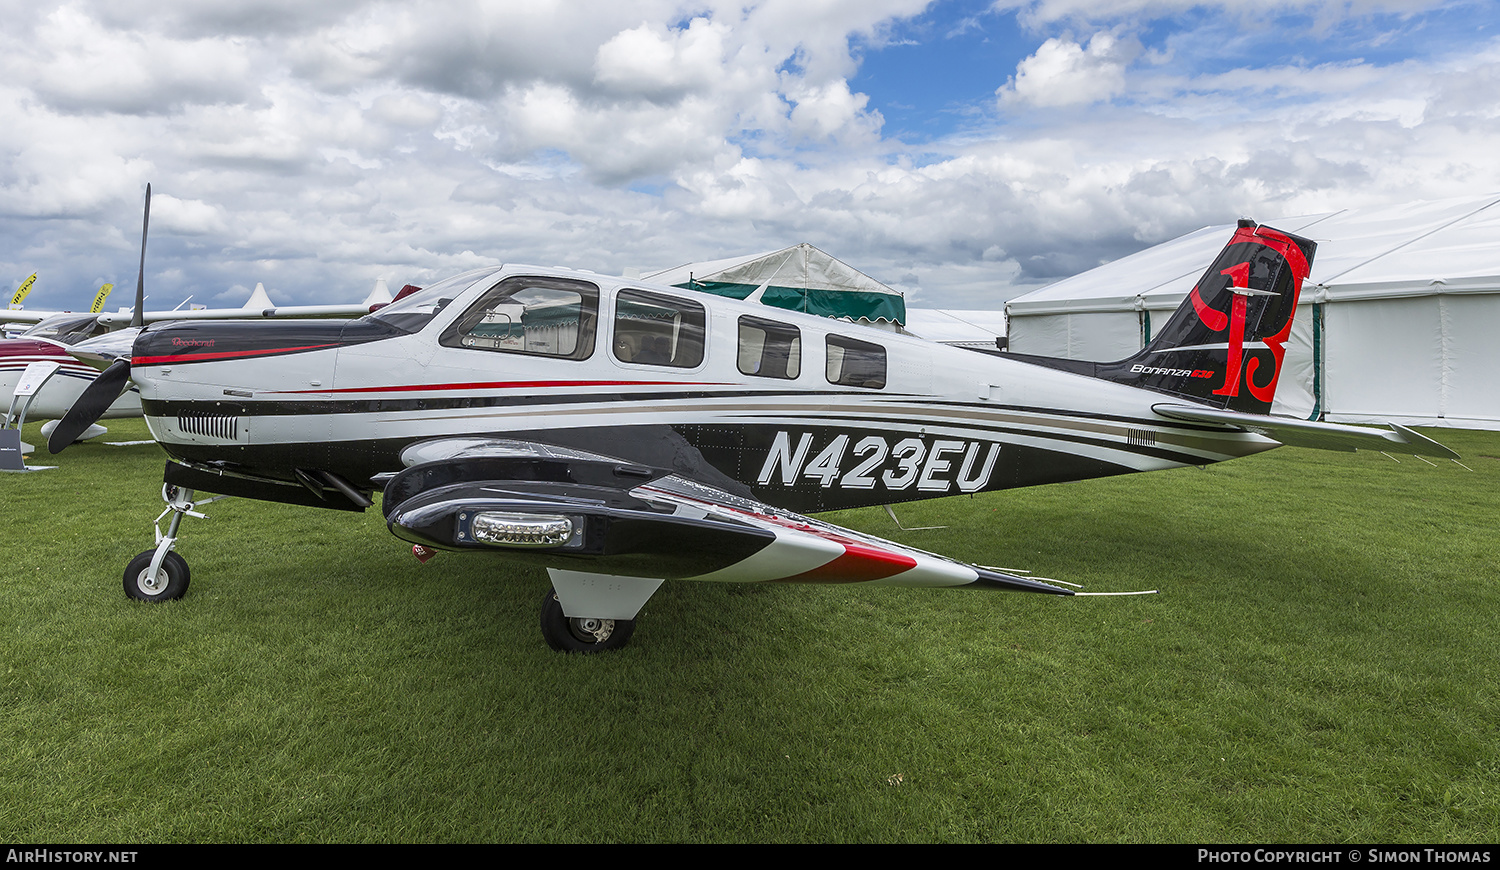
x: 1318, y: 436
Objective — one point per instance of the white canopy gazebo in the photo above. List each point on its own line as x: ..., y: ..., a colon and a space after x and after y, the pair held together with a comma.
x: 799, y: 278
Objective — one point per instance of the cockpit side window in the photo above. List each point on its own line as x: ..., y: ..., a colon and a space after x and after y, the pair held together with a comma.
x: 656, y: 329
x: 768, y: 349
x: 531, y: 315
x: 855, y: 363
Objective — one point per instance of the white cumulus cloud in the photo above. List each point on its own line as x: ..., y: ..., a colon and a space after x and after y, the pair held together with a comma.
x: 1065, y: 73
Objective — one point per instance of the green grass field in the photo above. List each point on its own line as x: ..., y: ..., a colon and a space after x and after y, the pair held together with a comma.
x: 1319, y: 667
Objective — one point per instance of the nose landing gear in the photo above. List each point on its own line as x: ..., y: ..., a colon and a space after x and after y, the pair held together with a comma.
x: 160, y: 574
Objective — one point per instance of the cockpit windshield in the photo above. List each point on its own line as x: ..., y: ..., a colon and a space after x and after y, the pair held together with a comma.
x: 417, y: 310
x: 67, y: 328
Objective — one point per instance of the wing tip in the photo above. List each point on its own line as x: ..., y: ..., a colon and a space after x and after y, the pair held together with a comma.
x: 999, y: 580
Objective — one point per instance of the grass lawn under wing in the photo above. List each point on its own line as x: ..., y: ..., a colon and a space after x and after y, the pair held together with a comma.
x: 1319, y: 667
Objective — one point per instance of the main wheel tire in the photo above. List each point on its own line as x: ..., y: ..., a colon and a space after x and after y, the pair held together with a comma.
x: 170, y: 583
x: 581, y: 634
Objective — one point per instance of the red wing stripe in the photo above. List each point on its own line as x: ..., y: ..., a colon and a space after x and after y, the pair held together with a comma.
x: 506, y: 385
x: 859, y: 564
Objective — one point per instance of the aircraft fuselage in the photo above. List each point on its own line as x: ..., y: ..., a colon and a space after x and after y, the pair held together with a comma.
x: 802, y: 412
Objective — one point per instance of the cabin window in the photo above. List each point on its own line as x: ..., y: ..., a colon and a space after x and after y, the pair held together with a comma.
x: 855, y: 363
x: 539, y: 316
x: 768, y: 349
x: 655, y: 329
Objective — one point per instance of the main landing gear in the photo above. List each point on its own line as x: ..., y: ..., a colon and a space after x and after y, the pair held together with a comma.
x: 579, y: 633
x: 160, y: 574
x: 610, y: 602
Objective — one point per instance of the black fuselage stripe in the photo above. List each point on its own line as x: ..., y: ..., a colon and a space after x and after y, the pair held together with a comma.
x: 292, y: 408
x: 191, y: 408
x: 320, y: 406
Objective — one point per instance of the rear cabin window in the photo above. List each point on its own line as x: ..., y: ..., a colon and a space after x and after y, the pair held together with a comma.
x: 768, y: 349
x: 538, y: 316
x: 855, y: 363
x: 659, y: 330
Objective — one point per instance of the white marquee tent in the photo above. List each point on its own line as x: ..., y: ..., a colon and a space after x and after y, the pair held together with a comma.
x: 1397, y: 321
x: 966, y: 328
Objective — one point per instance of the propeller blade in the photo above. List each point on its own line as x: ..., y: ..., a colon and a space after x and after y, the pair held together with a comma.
x: 91, y: 405
x: 139, y: 317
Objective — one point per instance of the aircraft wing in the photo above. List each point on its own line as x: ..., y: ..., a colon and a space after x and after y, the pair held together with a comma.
x: 1307, y: 433
x: 22, y: 315
x: 122, y: 318
x: 354, y: 309
x: 571, y: 510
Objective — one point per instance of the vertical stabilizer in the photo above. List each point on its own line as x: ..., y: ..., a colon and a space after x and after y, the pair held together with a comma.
x: 1225, y: 344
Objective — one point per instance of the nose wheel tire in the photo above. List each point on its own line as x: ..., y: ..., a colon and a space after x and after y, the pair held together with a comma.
x: 581, y: 634
x: 169, y: 584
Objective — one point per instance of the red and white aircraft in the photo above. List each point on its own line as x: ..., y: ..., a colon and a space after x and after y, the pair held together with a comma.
x: 49, y: 340
x: 621, y: 434
x: 64, y: 378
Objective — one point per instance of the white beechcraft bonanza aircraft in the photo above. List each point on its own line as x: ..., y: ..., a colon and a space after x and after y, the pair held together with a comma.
x: 622, y: 434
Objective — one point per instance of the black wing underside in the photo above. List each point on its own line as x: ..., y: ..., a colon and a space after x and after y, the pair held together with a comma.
x: 568, y: 509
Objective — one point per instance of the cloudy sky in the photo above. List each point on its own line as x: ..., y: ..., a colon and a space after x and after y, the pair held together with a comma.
x: 963, y: 151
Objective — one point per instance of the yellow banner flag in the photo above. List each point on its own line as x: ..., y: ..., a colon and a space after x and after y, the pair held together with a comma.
x: 99, y: 298
x: 22, y: 290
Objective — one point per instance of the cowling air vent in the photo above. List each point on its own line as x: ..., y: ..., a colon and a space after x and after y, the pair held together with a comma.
x: 213, y: 427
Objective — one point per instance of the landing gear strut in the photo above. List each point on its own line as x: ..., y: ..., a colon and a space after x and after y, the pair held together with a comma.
x: 160, y: 574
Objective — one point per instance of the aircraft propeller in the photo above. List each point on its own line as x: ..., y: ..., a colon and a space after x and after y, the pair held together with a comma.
x: 114, y: 380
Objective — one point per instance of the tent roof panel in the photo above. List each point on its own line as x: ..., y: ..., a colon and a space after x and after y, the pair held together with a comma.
x: 949, y: 324
x: 704, y: 268
x: 1162, y: 269
x: 798, y: 278
x: 1410, y: 249
x: 802, y: 266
